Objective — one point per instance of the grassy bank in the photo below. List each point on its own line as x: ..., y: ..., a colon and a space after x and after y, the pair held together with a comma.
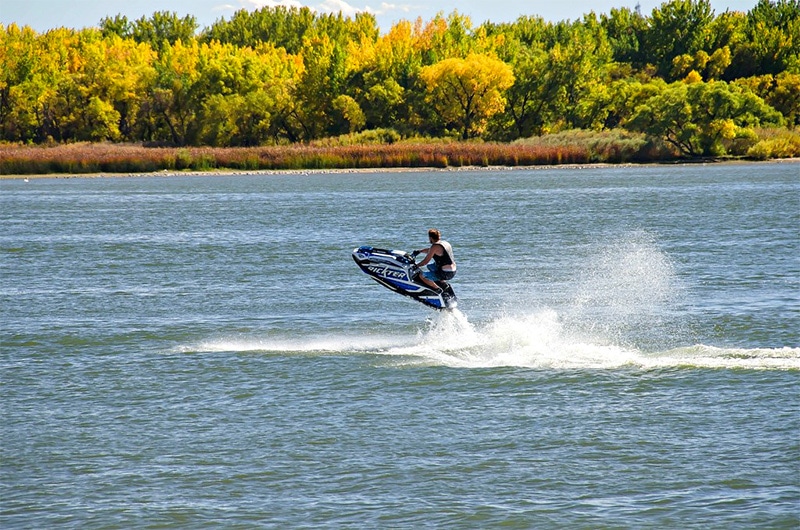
x: 574, y: 147
x: 128, y: 158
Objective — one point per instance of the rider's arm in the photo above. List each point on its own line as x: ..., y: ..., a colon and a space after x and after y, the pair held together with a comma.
x: 430, y: 252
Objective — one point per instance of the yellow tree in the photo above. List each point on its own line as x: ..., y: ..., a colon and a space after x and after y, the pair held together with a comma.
x: 19, y: 62
x: 34, y: 75
x: 467, y: 92
x: 112, y: 80
x: 244, y: 91
x: 171, y: 111
x: 380, y: 74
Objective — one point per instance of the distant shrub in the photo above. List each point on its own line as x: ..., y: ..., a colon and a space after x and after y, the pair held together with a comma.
x: 783, y: 146
x: 370, y: 137
x: 614, y: 146
x: 744, y: 139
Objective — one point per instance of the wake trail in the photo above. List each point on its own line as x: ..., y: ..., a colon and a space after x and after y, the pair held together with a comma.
x: 539, y: 340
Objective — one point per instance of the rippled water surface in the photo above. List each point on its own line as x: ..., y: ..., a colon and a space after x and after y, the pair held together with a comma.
x: 202, y: 351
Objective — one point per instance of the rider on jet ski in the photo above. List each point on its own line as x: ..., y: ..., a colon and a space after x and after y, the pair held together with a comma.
x: 443, y: 267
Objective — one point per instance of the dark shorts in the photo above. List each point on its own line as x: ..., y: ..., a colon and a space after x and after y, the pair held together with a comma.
x: 436, y: 274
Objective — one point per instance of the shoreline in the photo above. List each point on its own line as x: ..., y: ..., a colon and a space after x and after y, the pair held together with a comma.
x: 303, y: 172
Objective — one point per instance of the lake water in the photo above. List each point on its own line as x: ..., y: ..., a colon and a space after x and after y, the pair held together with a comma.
x: 201, y: 351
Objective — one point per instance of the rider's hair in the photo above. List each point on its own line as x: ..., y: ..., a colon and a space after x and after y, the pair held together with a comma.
x: 434, y: 234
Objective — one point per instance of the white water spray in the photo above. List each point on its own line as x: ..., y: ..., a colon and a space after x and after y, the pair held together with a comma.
x: 625, y: 293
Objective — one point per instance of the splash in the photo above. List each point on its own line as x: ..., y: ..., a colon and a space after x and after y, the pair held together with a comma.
x: 626, y: 292
x: 541, y: 341
x: 537, y: 340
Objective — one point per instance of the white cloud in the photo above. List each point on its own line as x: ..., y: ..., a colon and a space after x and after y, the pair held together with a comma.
x: 335, y: 6
x: 330, y: 6
x: 224, y: 7
x: 389, y: 8
x: 258, y: 4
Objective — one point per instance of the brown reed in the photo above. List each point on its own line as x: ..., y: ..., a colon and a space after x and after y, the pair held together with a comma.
x: 83, y: 158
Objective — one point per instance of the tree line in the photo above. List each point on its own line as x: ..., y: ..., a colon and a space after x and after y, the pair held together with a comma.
x: 699, y: 81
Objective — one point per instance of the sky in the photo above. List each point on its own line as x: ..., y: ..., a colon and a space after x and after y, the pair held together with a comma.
x: 42, y: 15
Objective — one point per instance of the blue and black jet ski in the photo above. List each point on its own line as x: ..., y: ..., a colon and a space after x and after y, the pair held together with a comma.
x: 397, y: 270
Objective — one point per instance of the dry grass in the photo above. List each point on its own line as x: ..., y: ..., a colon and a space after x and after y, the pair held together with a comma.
x: 573, y: 147
x: 130, y: 158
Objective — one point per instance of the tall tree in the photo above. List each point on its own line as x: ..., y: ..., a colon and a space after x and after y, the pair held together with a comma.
x: 529, y: 110
x: 626, y: 29
x: 320, y: 82
x: 677, y: 27
x: 771, y: 44
x: 117, y: 73
x: 698, y: 118
x: 467, y: 92
x: 170, y: 113
x: 245, y: 90
x: 18, y: 65
x: 163, y: 28
x: 37, y: 86
x: 382, y: 76
x: 284, y: 27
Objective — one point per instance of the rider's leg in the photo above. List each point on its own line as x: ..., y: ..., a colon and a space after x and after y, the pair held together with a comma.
x: 427, y: 277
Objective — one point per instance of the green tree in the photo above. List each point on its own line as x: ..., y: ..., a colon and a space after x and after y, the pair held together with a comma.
x: 119, y: 25
x: 162, y: 28
x: 677, y: 27
x: 444, y: 37
x: 627, y: 95
x: 245, y: 90
x: 100, y: 121
x: 344, y: 30
x: 529, y: 109
x: 236, y: 119
x: 699, y: 118
x: 625, y: 29
x: 348, y: 116
x: 309, y: 115
x: 382, y: 76
x: 170, y: 112
x: 290, y: 74
x: 581, y: 70
x: 782, y: 92
x: 18, y: 65
x: 771, y: 44
x: 561, y: 71
x: 786, y: 97
x: 284, y: 27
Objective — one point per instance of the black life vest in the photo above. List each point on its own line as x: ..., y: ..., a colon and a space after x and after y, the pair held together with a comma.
x: 447, y: 257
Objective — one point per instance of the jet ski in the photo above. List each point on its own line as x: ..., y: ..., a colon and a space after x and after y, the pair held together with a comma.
x: 397, y: 270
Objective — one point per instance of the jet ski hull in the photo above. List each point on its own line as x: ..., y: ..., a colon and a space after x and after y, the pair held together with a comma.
x: 397, y: 271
